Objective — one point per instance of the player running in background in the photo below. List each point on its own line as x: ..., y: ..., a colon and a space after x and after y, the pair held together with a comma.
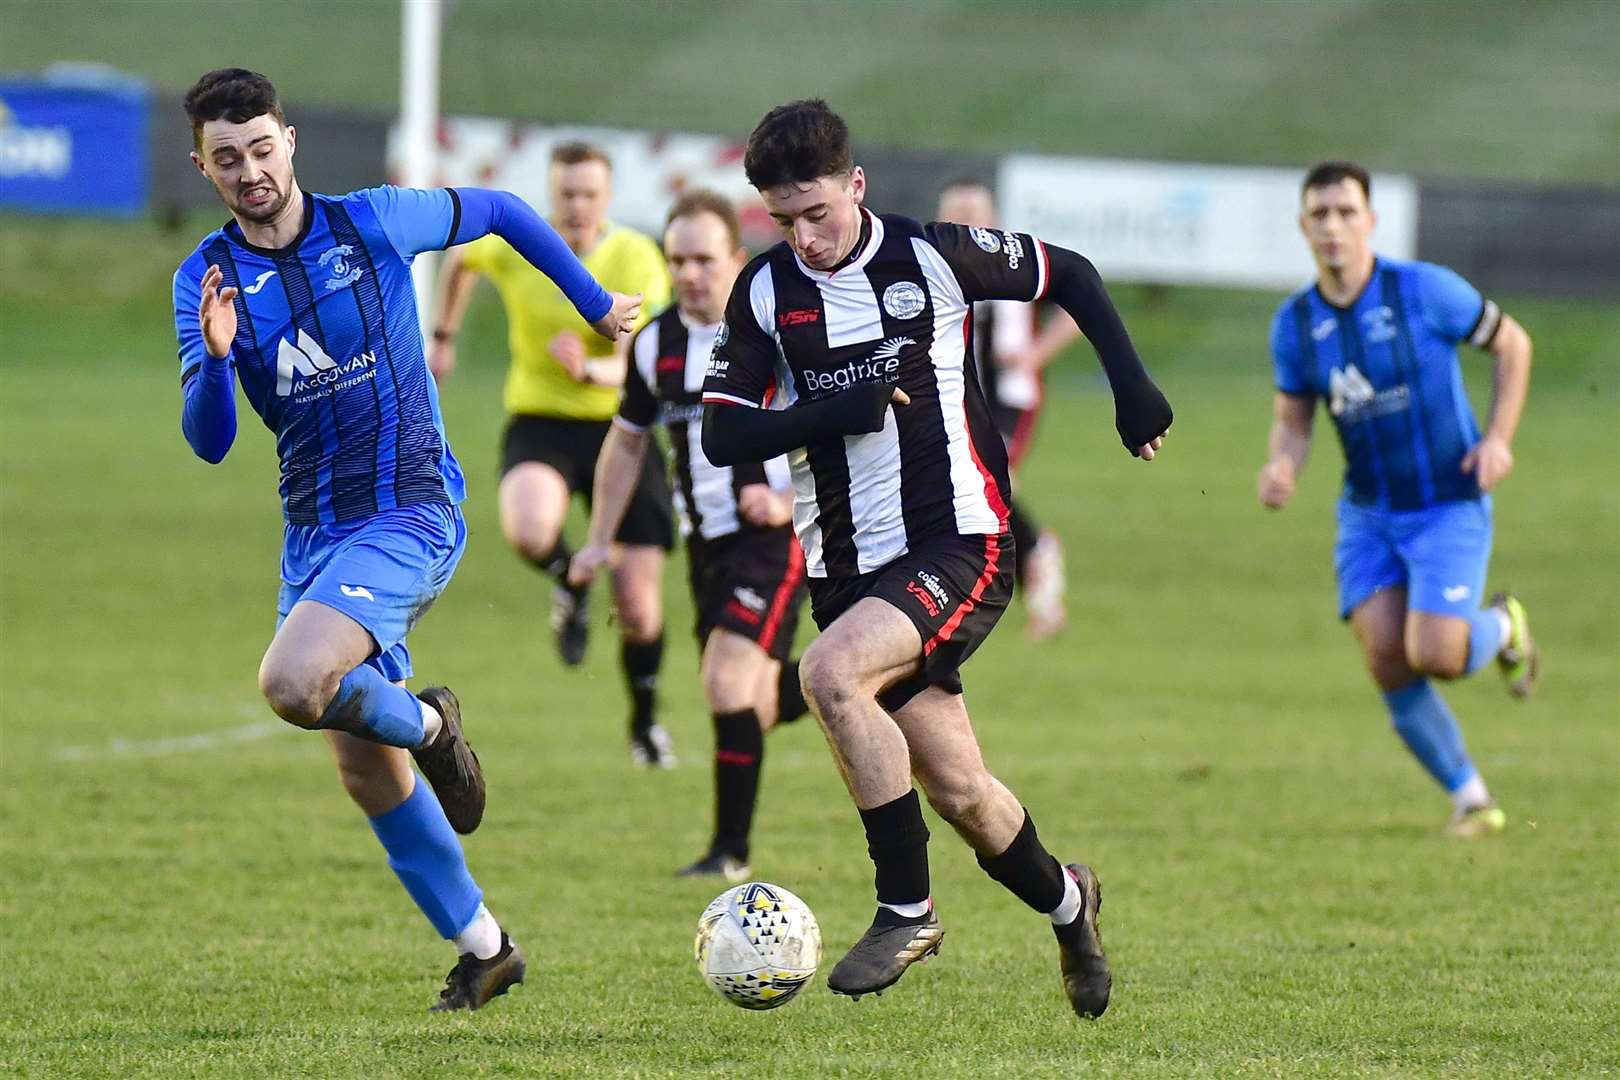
x: 857, y: 327
x: 1010, y: 357
x: 746, y: 570
x: 561, y: 391
x: 307, y: 300
x: 1376, y: 338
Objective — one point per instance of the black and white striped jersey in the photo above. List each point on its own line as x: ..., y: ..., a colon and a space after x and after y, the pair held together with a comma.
x: 664, y: 383
x: 1003, y: 328
x: 899, y: 311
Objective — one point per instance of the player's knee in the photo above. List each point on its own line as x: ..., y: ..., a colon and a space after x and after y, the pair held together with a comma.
x: 1437, y: 659
x: 828, y: 685
x: 640, y: 622
x: 725, y: 691
x: 958, y: 797
x: 292, y: 695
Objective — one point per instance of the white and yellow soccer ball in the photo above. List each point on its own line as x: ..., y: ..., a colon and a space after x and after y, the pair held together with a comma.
x: 757, y: 945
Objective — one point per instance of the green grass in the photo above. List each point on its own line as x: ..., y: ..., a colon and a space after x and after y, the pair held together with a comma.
x: 1493, y: 88
x: 1279, y: 899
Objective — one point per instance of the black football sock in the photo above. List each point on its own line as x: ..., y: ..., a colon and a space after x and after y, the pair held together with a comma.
x: 739, y: 750
x: 1024, y: 533
x: 555, y: 563
x: 1027, y: 870
x: 790, y: 703
x: 640, y: 662
x: 897, y: 841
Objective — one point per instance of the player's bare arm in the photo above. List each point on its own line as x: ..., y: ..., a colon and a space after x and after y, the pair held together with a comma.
x: 452, y: 292
x: 1058, y: 334
x: 618, y: 469
x: 1288, y: 446
x: 1491, y: 459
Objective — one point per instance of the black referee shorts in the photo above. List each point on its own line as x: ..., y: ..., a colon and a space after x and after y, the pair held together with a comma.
x: 751, y: 583
x: 571, y: 447
x: 952, y: 588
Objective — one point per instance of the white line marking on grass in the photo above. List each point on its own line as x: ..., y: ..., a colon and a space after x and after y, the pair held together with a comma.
x: 179, y: 744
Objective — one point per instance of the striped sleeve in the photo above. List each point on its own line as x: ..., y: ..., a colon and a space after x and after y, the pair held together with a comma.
x: 742, y: 369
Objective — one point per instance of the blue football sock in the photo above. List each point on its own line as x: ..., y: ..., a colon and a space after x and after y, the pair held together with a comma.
x: 426, y: 855
x: 1485, y: 638
x: 1426, y: 725
x: 368, y: 705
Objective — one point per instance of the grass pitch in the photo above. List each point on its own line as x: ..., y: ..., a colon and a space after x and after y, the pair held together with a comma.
x: 185, y: 890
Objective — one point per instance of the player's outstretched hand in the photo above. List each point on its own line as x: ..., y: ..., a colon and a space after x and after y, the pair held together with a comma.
x: 586, y: 562
x: 763, y: 505
x: 217, y: 314
x: 1142, y: 415
x: 1490, y: 461
x: 568, y: 349
x: 621, y: 317
x: 1276, y: 483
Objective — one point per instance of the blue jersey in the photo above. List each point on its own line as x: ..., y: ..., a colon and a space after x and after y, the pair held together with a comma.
x: 329, y: 351
x: 1387, y: 368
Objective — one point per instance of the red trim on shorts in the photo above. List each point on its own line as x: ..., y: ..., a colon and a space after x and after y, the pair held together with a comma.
x: 992, y: 559
x: 992, y: 490
x: 784, y: 593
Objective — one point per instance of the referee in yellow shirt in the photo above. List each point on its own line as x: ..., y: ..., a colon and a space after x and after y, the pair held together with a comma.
x: 562, y: 390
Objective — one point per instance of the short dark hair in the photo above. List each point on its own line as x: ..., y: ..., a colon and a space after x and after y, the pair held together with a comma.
x: 577, y: 152
x: 234, y: 94
x: 1324, y: 173
x: 799, y: 142
x: 706, y: 201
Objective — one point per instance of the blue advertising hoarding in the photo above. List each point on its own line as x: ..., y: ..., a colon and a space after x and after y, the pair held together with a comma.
x: 77, y: 147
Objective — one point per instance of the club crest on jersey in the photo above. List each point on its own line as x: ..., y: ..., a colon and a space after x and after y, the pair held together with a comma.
x: 904, y: 299
x: 336, y: 261
x: 986, y: 239
x: 1379, y: 323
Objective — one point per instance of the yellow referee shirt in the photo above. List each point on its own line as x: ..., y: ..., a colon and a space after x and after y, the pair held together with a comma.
x: 536, y: 311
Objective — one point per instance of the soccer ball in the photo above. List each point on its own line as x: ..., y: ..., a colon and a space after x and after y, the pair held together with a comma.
x: 757, y: 945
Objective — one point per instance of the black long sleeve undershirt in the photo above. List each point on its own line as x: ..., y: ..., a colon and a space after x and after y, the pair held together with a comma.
x: 733, y: 434
x: 1141, y: 413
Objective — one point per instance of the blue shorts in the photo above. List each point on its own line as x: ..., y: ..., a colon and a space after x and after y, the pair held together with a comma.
x: 1439, y: 555
x: 383, y: 572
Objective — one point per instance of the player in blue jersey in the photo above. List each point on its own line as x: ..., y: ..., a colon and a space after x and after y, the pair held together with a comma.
x: 307, y: 301
x: 1376, y: 339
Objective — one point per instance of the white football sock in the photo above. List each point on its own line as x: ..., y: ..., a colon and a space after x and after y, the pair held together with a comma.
x: 1507, y: 627
x: 1471, y: 794
x: 907, y: 911
x: 1069, y: 907
x: 432, y: 723
x: 482, y: 937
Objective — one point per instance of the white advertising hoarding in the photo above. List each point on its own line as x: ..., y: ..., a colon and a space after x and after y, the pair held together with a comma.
x: 649, y: 168
x: 1185, y: 224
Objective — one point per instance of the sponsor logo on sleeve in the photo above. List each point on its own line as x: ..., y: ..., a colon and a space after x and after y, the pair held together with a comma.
x: 722, y: 335
x: 1014, y: 248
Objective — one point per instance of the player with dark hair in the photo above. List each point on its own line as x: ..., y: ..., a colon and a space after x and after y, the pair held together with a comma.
x: 561, y: 391
x: 745, y: 567
x: 307, y: 300
x: 1376, y: 339
x: 1010, y: 358
x: 847, y: 347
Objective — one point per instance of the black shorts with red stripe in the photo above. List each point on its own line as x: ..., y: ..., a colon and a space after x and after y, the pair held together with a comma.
x: 750, y: 582
x: 952, y: 588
